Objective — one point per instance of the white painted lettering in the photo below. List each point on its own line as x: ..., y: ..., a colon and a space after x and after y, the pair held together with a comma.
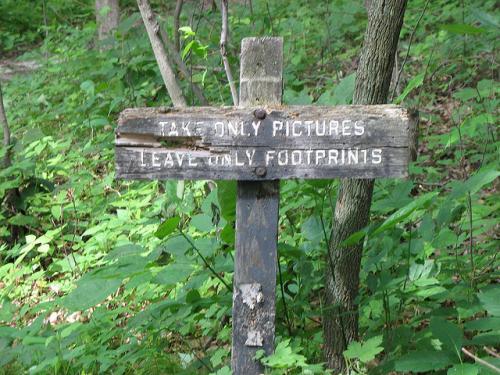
x: 359, y: 128
x: 277, y: 126
x: 250, y: 154
x: 256, y: 126
x: 283, y: 157
x: 155, y: 160
x: 346, y: 128
x: 376, y: 156
x: 269, y: 156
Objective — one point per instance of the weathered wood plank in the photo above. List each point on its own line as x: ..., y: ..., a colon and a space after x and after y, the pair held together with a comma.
x: 282, y: 127
x: 257, y: 206
x: 289, y: 142
x: 241, y: 163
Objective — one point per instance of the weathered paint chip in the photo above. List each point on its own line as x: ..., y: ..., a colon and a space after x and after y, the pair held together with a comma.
x: 251, y: 294
x: 254, y: 338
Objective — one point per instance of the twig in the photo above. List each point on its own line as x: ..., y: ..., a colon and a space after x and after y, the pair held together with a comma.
x: 177, y: 15
x: 205, y: 261
x: 6, y: 132
x: 223, y: 51
x: 491, y: 352
x: 481, y: 361
x: 408, y: 50
x: 287, y: 317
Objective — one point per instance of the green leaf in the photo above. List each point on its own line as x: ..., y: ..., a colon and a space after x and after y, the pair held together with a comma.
x: 312, y: 229
x: 448, y: 333
x: 89, y: 292
x: 167, y: 227
x: 490, y: 299
x: 423, y: 361
x: 474, y: 183
x: 365, y: 351
x: 284, y: 357
x: 405, y: 211
x: 174, y: 273
x: 202, y: 222
x: 56, y: 211
x: 23, y: 220
x: 463, y: 369
x: 226, y: 194
x: 341, y: 94
x: 415, y: 82
x: 462, y: 28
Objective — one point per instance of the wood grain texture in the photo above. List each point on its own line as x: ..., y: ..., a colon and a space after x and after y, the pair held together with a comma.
x: 209, y: 133
x: 256, y: 221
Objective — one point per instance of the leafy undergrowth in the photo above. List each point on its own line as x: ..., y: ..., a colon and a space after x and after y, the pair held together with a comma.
x: 91, y: 282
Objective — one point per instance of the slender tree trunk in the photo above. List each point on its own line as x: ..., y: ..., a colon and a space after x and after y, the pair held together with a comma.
x: 107, y: 17
x: 154, y: 32
x: 177, y: 16
x: 385, y: 18
x: 223, y: 51
x: 6, y: 132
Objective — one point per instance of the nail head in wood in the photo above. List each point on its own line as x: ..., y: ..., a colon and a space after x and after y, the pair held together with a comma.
x: 260, y: 113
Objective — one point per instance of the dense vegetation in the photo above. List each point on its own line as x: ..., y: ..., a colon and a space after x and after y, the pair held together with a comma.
x: 91, y: 282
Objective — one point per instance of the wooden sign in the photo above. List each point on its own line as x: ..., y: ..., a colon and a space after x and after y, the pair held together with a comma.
x: 258, y: 144
x: 266, y: 143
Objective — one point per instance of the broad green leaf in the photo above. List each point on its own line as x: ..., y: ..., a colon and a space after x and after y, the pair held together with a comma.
x: 423, y: 361
x: 463, y: 369
x: 364, y: 351
x: 23, y: 220
x: 483, y: 324
x: 490, y: 299
x: 56, y: 211
x: 448, y: 333
x: 312, y: 229
x: 405, y: 211
x: 341, y: 93
x: 462, y: 28
x: 474, y: 183
x: 167, y: 227
x: 90, y: 291
x: 226, y: 194
x: 174, y: 273
x: 415, y: 82
x: 202, y: 222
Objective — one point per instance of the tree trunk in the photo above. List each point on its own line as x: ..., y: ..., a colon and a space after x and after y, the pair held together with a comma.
x: 6, y: 132
x: 385, y: 18
x: 154, y: 32
x: 177, y: 16
x: 107, y: 17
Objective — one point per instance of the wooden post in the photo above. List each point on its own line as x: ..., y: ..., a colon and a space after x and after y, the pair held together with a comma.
x: 261, y: 83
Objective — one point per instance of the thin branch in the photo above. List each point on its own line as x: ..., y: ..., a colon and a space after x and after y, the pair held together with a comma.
x: 481, y: 361
x: 206, y: 262
x: 223, y: 51
x: 167, y: 73
x: 6, y: 132
x: 177, y: 15
x: 408, y: 49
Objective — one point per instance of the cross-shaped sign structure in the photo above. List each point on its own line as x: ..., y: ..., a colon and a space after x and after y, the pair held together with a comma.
x: 258, y: 144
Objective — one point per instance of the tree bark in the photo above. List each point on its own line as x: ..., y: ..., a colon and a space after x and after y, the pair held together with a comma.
x: 107, y: 20
x: 6, y: 132
x: 385, y: 18
x: 154, y: 31
x: 177, y: 16
x: 223, y: 51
